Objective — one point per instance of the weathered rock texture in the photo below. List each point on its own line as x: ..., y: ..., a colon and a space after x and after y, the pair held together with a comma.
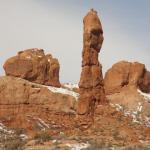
x: 34, y: 108
x: 25, y: 104
x: 91, y: 80
x: 20, y: 92
x: 145, y: 84
x: 35, y: 66
x: 123, y: 74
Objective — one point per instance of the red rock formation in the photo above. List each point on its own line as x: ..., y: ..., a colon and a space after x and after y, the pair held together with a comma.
x: 91, y: 80
x: 35, y: 66
x: 22, y: 93
x: 124, y: 74
x: 23, y: 104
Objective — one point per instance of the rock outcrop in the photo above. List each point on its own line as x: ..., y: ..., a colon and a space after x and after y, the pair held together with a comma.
x: 35, y: 66
x: 123, y: 74
x: 27, y: 105
x: 91, y: 81
x: 19, y: 92
x: 30, y: 106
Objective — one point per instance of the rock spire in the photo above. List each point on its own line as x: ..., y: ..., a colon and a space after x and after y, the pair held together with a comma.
x: 91, y: 84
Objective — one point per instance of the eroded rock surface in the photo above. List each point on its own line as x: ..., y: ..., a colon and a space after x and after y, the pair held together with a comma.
x: 124, y: 84
x: 145, y: 83
x: 123, y: 74
x: 91, y: 80
x: 35, y: 66
x: 22, y: 94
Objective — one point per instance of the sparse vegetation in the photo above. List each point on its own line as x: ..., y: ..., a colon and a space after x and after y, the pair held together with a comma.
x: 11, y: 139
x: 43, y: 136
x: 19, y: 131
x: 14, y: 143
x: 137, y: 147
x: 99, y: 146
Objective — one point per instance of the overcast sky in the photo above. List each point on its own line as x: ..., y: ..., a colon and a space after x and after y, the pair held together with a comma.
x: 56, y: 26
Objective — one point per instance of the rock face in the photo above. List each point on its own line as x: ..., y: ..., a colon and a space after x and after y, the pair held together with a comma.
x: 91, y: 80
x: 21, y: 96
x: 28, y: 105
x: 35, y: 66
x: 145, y: 84
x: 123, y: 74
x: 17, y: 91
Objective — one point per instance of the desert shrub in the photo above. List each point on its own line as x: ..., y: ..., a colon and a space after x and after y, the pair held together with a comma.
x: 14, y: 143
x: 99, y: 146
x: 42, y: 136
x: 115, y: 134
x: 19, y: 131
x: 137, y: 147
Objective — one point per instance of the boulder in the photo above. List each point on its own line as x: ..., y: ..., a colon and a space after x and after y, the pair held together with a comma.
x: 123, y: 74
x: 91, y: 86
x: 35, y: 66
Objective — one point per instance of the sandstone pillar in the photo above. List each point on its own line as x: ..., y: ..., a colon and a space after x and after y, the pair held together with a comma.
x: 91, y: 85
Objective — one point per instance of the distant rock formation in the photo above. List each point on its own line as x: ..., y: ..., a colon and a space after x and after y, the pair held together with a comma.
x: 91, y: 85
x: 123, y: 74
x: 35, y: 66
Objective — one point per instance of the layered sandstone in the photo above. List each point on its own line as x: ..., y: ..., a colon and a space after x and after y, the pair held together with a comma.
x: 19, y: 92
x: 91, y: 80
x: 124, y: 74
x: 35, y: 66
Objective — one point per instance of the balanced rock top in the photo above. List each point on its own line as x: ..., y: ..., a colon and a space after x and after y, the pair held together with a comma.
x: 35, y: 66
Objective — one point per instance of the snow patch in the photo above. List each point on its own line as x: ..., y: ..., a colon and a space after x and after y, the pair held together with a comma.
x: 5, y: 130
x: 117, y: 106
x: 43, y: 124
x: 39, y: 122
x: 63, y: 91
x: 60, y: 90
x: 54, y: 141
x: 135, y: 114
x: 145, y: 95
x: 78, y: 146
x: 28, y: 57
x: 23, y: 136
